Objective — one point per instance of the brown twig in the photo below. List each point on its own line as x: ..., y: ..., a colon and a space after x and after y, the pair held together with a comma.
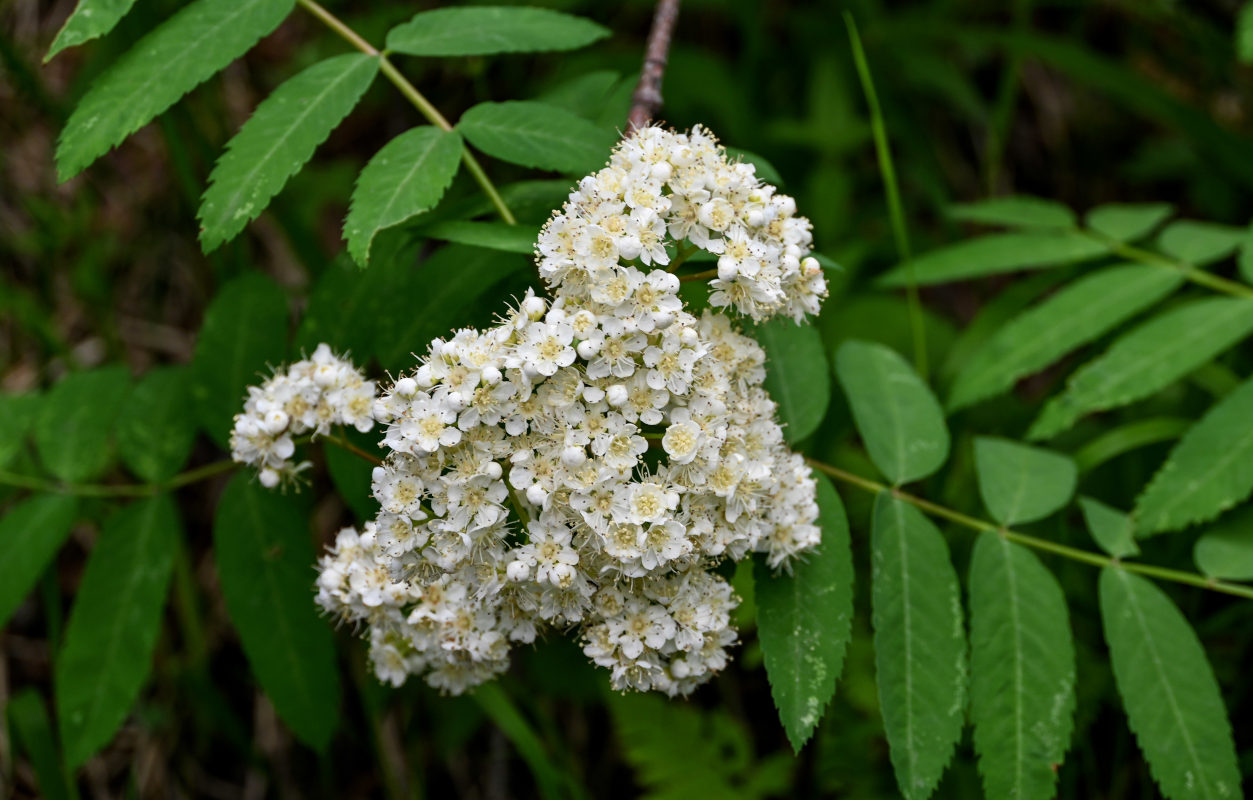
x: 646, y: 101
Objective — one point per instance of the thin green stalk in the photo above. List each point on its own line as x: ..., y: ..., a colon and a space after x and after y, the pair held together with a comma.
x: 116, y: 490
x: 895, y: 211
x: 1190, y: 271
x: 419, y: 101
x: 352, y: 448
x: 1034, y: 542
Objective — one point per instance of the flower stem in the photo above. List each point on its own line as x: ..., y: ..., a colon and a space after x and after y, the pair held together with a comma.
x: 1035, y: 542
x: 343, y: 443
x: 415, y: 97
x: 699, y: 276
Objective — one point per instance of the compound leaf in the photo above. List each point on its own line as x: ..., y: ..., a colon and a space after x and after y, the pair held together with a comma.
x: 155, y: 431
x: 90, y: 18
x: 31, y: 532
x: 1225, y: 549
x: 995, y: 254
x: 537, y: 135
x: 1015, y: 212
x: 18, y: 413
x: 74, y: 431
x: 1112, y: 529
x: 798, y: 375
x: 1199, y: 243
x: 489, y: 235
x: 484, y: 30
x: 1127, y: 222
x: 1020, y: 483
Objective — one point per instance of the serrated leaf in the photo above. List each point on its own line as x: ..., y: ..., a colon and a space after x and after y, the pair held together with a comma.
x: 444, y: 285
x: 898, y: 417
x: 277, y: 140
x: 74, y: 430
x: 1148, y: 358
x: 90, y: 19
x: 244, y: 330
x: 18, y: 413
x: 798, y: 377
x: 408, y: 176
x: 1244, y: 34
x: 1015, y: 212
x: 804, y: 621
x: 1225, y: 549
x: 265, y: 563
x: 1076, y: 315
x: 537, y: 135
x: 1022, y: 670
x: 995, y: 254
x: 1168, y: 689
x: 155, y: 431
x: 32, y: 729
x: 1127, y: 222
x: 114, y: 624
x: 484, y: 30
x: 920, y: 644
x: 1207, y: 472
x: 1112, y: 529
x: 489, y: 235
x: 1199, y: 243
x: 31, y: 532
x: 183, y: 52
x: 1020, y: 483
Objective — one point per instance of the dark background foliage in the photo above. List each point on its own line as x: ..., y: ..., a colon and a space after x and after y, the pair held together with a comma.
x: 1082, y: 102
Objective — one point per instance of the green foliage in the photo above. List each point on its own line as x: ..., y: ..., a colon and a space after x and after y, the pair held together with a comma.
x: 408, y: 176
x: 32, y: 731
x: 536, y: 135
x: 18, y: 413
x: 1110, y: 528
x: 497, y: 705
x: 1168, y: 689
x: 1015, y: 212
x: 244, y: 332
x: 484, y: 30
x: 1150, y: 357
x: 489, y: 235
x: 995, y: 254
x: 263, y: 558
x: 90, y: 18
x: 1199, y: 243
x: 155, y: 432
x: 898, y: 417
x: 804, y: 621
x: 1244, y: 33
x: 1225, y: 549
x: 31, y: 532
x: 114, y: 624
x: 1077, y: 314
x: 798, y: 375
x: 185, y: 51
x: 1208, y: 472
x: 920, y: 644
x: 1127, y: 222
x: 1020, y: 483
x: 277, y: 140
x: 74, y: 430
x: 1022, y: 685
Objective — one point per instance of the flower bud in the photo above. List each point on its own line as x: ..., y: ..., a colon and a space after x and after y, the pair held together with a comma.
x: 517, y: 571
x: 617, y: 395
x: 588, y: 349
x: 536, y: 494
x: 406, y: 387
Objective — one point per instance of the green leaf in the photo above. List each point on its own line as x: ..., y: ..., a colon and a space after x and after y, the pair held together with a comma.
x: 1244, y: 258
x: 1076, y: 315
x: 995, y: 254
x: 537, y: 135
x: 1019, y: 483
x: 408, y: 176
x: 1225, y: 550
x: 277, y: 140
x: 1200, y: 243
x: 485, y: 30
x: 898, y: 417
x: 1022, y: 670
x: 265, y: 563
x: 28, y: 719
x: 90, y: 19
x: 798, y: 376
x: 505, y: 714
x: 1244, y: 34
x: 31, y: 533
x: 1127, y: 222
x: 490, y: 235
x: 1015, y: 212
x: 18, y: 413
x: 445, y: 284
x: 352, y: 474
x: 1168, y: 689
x: 244, y: 330
x: 155, y: 432
x: 114, y: 624
x: 1112, y: 529
x: 804, y: 621
x: 1150, y: 357
x: 920, y: 644
x: 74, y: 431
x: 183, y: 52
x: 1207, y: 472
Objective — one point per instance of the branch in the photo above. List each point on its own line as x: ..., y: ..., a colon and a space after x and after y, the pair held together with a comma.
x: 646, y: 101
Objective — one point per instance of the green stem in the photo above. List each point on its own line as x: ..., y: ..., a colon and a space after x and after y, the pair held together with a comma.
x: 116, y: 490
x: 352, y: 448
x: 683, y: 253
x: 1065, y: 551
x: 1190, y: 271
x: 424, y: 106
x: 699, y: 276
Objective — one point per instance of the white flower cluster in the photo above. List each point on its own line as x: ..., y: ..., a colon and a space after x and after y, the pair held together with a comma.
x: 588, y: 460
x: 310, y: 396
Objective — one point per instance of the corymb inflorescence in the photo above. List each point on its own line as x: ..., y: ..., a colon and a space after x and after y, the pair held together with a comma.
x: 584, y: 464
